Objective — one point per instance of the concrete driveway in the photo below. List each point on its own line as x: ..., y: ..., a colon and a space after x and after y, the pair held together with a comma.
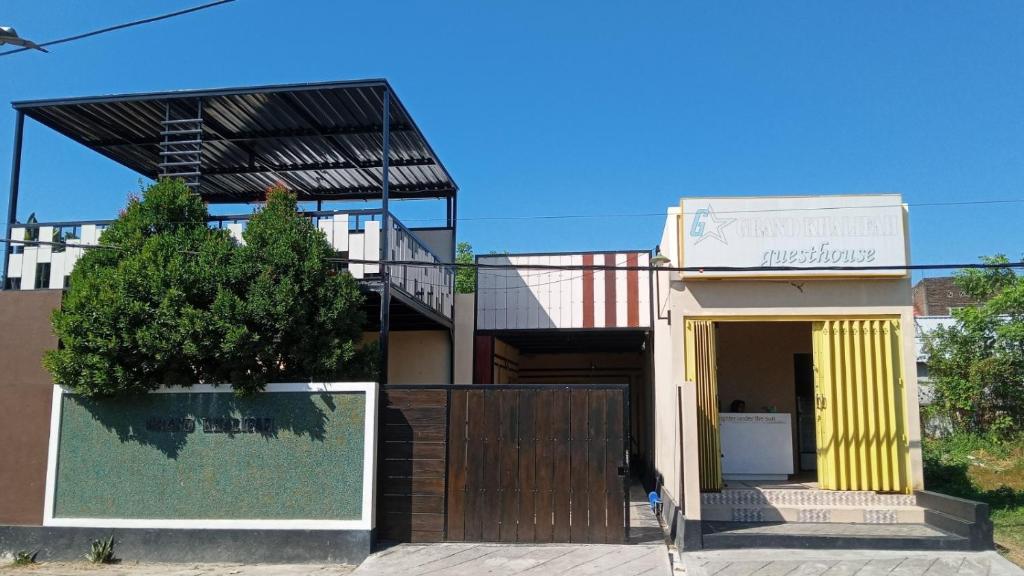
x: 475, y: 559
x: 843, y: 563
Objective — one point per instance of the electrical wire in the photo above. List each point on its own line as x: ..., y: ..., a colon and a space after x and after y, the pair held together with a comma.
x: 721, y: 212
x: 120, y: 26
x: 602, y: 267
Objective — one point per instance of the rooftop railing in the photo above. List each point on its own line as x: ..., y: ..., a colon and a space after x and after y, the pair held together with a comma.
x: 43, y: 254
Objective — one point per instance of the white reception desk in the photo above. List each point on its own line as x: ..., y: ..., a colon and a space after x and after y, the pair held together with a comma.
x: 756, y: 446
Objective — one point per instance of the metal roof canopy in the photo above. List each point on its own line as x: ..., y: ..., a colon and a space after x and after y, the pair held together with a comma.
x: 324, y: 141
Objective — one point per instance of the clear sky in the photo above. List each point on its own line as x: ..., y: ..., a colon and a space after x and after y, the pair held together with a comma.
x: 591, y: 107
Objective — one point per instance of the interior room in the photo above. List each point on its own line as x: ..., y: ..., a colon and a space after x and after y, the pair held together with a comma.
x: 766, y: 401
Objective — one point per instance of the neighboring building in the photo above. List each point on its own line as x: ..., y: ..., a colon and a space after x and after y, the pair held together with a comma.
x: 939, y: 296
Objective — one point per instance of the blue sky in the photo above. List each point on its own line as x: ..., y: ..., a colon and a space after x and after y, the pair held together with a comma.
x: 592, y: 107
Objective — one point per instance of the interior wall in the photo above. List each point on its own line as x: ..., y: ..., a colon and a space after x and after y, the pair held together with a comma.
x: 755, y: 364
x: 26, y: 391
x: 506, y: 363
x: 465, y: 326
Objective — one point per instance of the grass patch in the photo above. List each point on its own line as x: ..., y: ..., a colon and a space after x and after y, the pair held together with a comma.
x: 987, y: 470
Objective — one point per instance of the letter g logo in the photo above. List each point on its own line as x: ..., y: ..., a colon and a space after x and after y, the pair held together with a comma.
x: 697, y: 229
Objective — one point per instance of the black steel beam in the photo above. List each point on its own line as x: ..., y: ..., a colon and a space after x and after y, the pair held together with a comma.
x: 227, y: 136
x: 385, y: 232
x: 315, y: 166
x: 12, y: 201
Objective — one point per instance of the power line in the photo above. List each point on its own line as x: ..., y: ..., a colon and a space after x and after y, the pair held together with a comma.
x: 121, y: 26
x: 721, y: 212
x: 600, y: 267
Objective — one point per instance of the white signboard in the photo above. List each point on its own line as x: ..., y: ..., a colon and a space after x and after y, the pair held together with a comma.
x: 795, y: 233
x: 756, y: 446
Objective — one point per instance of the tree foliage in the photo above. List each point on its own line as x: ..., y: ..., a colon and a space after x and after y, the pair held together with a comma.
x: 138, y: 313
x: 289, y: 312
x: 977, y: 365
x: 465, y: 276
x: 170, y: 301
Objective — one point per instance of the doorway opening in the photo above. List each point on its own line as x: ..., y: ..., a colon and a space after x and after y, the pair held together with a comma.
x: 802, y: 403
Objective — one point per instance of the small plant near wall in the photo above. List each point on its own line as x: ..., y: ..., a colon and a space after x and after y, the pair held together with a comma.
x: 24, y: 557
x: 101, y: 551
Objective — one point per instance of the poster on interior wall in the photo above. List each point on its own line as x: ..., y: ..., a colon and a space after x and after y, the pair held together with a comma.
x: 793, y: 236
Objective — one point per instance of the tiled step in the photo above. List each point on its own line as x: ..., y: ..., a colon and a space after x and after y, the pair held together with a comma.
x: 722, y: 535
x: 815, y: 514
x: 797, y: 497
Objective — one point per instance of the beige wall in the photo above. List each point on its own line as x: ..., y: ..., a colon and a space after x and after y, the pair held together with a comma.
x: 465, y: 327
x: 417, y: 356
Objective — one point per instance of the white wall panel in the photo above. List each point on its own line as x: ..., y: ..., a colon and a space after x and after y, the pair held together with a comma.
x: 235, y: 229
x: 28, y: 268
x: 645, y: 290
x: 57, y: 267
x: 371, y: 246
x: 621, y: 291
x: 355, y: 252
x: 340, y: 233
x: 45, y: 250
x: 576, y: 293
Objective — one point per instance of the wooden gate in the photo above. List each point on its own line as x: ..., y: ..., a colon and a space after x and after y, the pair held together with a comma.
x: 503, y: 463
x: 538, y: 463
x: 411, y: 463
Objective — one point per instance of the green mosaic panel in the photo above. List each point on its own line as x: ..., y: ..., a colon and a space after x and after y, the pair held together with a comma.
x: 279, y: 455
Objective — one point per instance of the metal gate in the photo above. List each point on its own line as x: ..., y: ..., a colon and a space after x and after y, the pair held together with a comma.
x: 859, y: 406
x: 504, y: 463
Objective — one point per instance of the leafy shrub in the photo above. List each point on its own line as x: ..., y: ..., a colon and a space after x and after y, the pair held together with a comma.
x: 137, y: 315
x: 977, y: 365
x: 171, y: 301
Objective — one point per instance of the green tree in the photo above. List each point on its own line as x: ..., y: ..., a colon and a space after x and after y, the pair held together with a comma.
x: 289, y: 313
x: 137, y: 314
x: 977, y: 365
x: 166, y: 300
x: 465, y: 276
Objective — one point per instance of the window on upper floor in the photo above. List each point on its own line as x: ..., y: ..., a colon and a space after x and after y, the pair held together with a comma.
x: 42, y: 275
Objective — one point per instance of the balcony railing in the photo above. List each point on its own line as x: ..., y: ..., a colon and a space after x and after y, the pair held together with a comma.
x: 42, y: 255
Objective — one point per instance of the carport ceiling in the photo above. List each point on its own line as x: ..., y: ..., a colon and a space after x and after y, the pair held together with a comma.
x: 567, y: 341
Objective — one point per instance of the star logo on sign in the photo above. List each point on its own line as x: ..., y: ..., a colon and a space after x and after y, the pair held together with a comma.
x: 706, y: 224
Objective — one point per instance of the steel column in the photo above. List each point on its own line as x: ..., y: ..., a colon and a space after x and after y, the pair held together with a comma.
x: 12, y: 201
x: 385, y: 233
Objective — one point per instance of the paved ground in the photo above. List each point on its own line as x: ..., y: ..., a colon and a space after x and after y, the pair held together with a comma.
x: 645, y: 554
x: 521, y: 560
x: 843, y: 563
x: 135, y: 569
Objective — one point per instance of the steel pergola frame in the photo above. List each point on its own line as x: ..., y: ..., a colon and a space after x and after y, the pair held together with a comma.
x: 343, y: 140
